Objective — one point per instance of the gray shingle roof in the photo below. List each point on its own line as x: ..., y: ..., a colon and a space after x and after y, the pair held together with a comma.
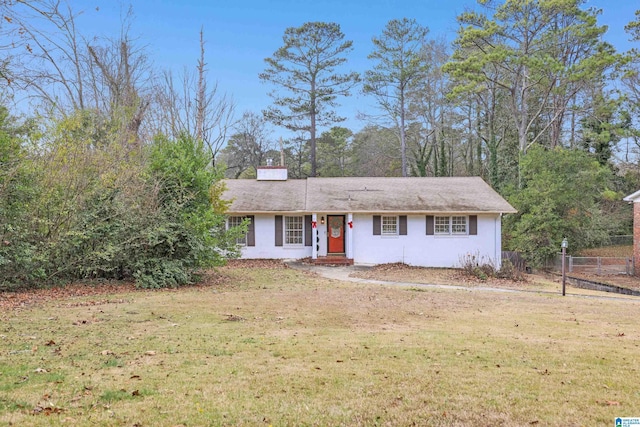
x: 360, y: 194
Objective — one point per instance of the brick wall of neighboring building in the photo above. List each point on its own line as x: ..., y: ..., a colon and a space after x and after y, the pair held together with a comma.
x: 636, y: 237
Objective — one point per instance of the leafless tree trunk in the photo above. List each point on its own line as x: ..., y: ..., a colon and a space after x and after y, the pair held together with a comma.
x: 124, y: 73
x: 194, y: 107
x: 202, y: 89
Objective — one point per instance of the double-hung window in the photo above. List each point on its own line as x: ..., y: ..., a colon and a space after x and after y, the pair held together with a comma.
x: 293, y: 230
x: 389, y: 225
x: 442, y: 225
x: 450, y: 225
x: 236, y: 221
x: 458, y: 225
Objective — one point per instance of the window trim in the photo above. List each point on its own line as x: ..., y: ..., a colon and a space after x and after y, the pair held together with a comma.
x: 436, y: 225
x: 240, y: 220
x: 466, y: 225
x: 285, y: 228
x: 395, y: 225
x: 450, y: 225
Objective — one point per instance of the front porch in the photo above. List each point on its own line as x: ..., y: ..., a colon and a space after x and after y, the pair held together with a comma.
x: 333, y: 259
x: 332, y: 237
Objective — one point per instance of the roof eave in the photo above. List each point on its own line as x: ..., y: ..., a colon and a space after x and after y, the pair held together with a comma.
x: 631, y: 198
x: 340, y: 212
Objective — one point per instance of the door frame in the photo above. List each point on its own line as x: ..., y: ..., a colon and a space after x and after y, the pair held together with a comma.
x: 344, y: 234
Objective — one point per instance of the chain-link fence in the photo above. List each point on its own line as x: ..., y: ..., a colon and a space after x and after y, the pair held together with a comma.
x: 595, y: 265
x: 620, y: 240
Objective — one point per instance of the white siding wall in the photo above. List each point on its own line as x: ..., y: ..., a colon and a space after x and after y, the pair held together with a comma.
x: 416, y: 248
x: 322, y: 234
x: 265, y: 242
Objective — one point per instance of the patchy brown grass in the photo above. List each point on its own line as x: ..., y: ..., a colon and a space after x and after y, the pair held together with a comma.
x: 276, y: 346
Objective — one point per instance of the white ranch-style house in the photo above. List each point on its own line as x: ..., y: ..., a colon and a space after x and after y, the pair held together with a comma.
x: 430, y: 222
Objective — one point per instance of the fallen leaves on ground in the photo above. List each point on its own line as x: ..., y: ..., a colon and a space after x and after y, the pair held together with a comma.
x: 270, y: 264
x: 399, y: 272
x: 26, y: 298
x: 47, y: 410
x: 16, y: 300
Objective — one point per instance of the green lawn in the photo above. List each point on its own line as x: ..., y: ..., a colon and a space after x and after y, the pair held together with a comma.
x: 284, y: 348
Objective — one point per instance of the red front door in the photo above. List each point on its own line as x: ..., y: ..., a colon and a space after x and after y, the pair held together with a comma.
x: 335, y: 233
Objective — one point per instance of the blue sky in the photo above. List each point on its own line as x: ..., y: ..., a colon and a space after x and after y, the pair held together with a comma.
x: 240, y: 34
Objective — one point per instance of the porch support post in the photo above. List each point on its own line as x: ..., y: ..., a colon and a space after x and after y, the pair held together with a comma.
x: 314, y: 237
x: 349, y: 234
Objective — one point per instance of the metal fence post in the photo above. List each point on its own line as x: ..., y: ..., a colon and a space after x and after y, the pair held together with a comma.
x: 626, y: 267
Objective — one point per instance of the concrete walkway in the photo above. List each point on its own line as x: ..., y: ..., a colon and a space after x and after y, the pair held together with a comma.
x: 343, y: 274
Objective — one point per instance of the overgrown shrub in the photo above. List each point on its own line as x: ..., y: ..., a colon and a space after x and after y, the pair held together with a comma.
x: 189, y: 196
x: 483, y: 268
x: 21, y: 260
x: 509, y: 271
x: 89, y: 207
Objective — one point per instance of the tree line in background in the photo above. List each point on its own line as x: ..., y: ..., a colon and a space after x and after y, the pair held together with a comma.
x: 115, y: 170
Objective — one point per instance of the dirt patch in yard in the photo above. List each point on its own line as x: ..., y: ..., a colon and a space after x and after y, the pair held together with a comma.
x: 398, y: 272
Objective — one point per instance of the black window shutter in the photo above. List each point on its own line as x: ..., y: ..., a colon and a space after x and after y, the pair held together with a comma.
x: 278, y: 230
x: 251, y: 232
x: 403, y: 225
x: 307, y: 230
x: 430, y: 228
x: 473, y: 225
x: 377, y: 228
